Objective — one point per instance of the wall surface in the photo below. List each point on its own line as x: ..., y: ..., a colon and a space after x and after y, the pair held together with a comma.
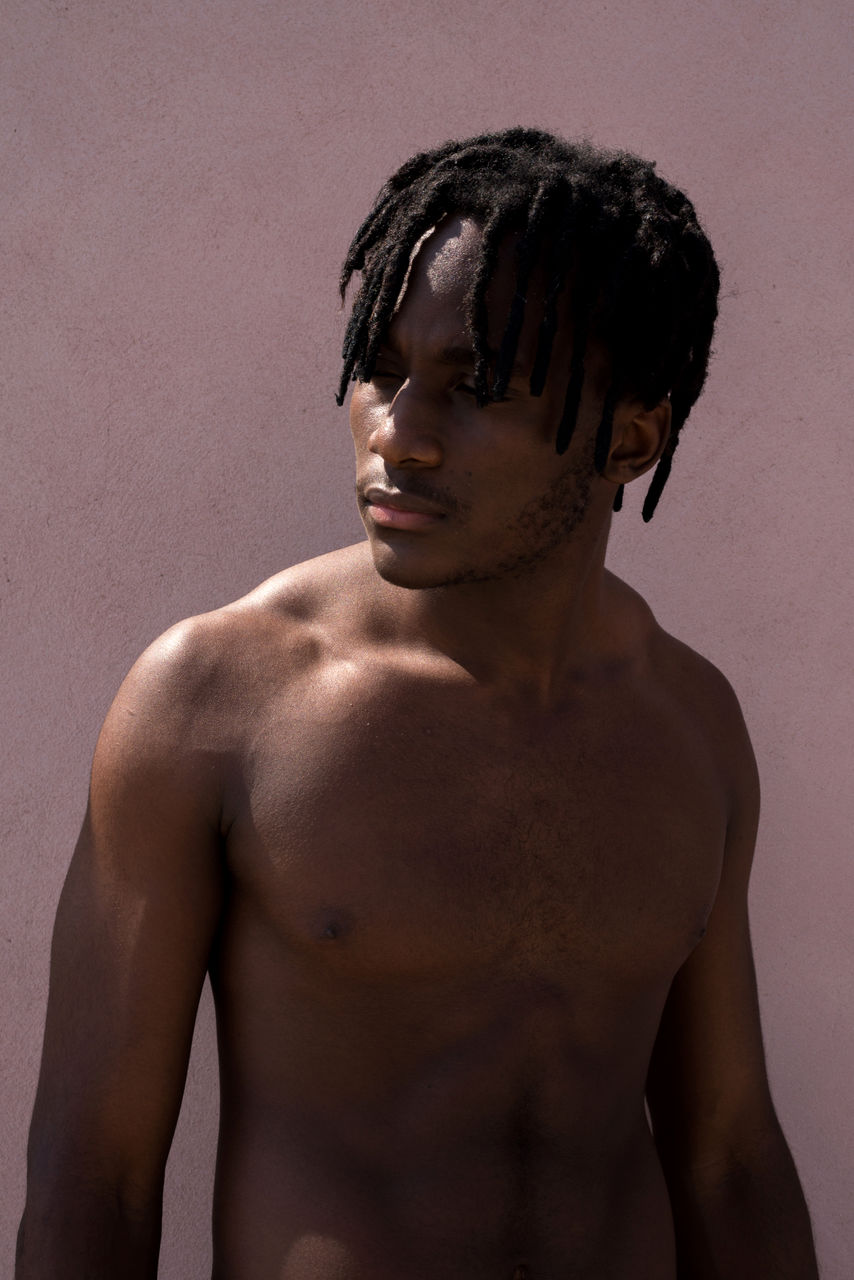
x: 179, y: 181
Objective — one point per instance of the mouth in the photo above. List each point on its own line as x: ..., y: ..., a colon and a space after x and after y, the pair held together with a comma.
x: 392, y: 509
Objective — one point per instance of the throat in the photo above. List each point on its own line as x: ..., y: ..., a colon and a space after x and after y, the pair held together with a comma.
x: 522, y: 641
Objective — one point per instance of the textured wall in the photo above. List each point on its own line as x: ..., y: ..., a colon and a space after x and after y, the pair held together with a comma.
x: 179, y: 181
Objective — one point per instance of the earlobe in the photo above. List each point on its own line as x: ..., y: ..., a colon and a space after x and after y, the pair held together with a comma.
x: 639, y: 439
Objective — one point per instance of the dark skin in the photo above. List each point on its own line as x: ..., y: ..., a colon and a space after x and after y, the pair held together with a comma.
x: 464, y: 845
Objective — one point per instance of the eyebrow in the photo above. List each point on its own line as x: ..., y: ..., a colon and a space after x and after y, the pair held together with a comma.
x: 465, y: 356
x: 462, y: 355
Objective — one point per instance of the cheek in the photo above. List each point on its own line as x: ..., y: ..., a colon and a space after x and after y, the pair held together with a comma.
x: 363, y: 413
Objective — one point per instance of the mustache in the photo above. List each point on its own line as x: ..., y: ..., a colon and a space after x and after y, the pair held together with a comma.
x: 415, y: 486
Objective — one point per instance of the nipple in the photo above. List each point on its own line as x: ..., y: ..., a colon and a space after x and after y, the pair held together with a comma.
x: 334, y: 923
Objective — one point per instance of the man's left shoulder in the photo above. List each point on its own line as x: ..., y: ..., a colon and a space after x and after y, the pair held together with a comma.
x: 705, y: 695
x: 696, y: 690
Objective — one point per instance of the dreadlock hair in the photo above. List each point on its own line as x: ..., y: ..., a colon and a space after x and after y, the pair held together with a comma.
x: 643, y: 274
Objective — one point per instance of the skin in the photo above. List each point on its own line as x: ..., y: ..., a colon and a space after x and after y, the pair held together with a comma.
x: 462, y: 838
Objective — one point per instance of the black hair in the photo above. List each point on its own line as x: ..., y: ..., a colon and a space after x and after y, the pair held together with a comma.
x: 643, y: 273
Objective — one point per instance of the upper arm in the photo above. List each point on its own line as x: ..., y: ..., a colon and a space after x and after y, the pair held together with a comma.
x: 133, y: 933
x: 707, y: 1087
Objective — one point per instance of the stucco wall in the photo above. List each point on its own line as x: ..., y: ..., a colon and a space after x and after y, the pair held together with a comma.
x: 179, y: 181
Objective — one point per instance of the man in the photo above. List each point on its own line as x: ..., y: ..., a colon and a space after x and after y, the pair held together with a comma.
x: 460, y: 834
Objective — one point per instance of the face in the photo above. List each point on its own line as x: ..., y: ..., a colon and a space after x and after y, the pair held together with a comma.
x: 450, y: 492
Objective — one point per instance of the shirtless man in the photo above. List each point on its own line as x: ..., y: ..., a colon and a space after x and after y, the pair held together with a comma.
x: 461, y: 836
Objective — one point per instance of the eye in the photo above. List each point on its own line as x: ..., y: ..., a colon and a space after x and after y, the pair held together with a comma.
x: 469, y: 389
x: 385, y: 379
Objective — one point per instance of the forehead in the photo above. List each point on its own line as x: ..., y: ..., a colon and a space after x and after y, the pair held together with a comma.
x: 447, y: 255
x: 434, y: 296
x: 439, y: 274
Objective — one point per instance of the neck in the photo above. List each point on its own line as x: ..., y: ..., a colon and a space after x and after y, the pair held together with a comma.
x: 529, y: 634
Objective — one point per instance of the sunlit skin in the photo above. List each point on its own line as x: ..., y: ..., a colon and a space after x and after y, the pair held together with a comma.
x: 463, y: 839
x: 516, y: 529
x: 504, y: 500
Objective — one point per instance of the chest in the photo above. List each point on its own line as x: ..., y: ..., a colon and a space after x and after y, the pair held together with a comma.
x: 406, y: 833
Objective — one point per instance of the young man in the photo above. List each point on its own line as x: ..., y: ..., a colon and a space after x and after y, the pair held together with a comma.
x: 460, y: 834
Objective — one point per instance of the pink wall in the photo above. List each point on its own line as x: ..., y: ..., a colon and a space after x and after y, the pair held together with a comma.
x: 179, y: 182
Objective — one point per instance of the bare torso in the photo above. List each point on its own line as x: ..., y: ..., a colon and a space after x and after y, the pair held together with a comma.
x: 445, y: 816
x: 452, y: 921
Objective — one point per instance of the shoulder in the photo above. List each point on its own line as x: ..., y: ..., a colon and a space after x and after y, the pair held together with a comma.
x: 706, y: 695
x: 184, y: 715
x: 194, y: 679
x: 700, y: 695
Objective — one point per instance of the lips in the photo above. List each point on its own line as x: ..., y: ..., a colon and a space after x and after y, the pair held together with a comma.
x: 395, y: 510
x: 395, y: 499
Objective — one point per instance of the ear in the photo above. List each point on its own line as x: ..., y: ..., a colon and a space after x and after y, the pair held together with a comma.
x: 638, y: 439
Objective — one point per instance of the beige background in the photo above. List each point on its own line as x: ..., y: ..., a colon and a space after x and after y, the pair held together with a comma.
x: 179, y: 181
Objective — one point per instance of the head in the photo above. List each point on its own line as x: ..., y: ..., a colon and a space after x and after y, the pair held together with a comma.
x: 581, y: 267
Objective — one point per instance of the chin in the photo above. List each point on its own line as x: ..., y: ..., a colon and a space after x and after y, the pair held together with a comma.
x: 407, y: 562
x: 413, y: 572
x: 421, y: 572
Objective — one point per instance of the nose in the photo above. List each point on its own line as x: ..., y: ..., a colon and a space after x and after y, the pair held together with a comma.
x: 404, y: 432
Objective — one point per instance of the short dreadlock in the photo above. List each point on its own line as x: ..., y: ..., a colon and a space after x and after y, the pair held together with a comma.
x: 644, y: 277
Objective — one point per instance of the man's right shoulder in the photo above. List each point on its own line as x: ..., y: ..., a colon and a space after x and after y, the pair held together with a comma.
x: 201, y: 675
